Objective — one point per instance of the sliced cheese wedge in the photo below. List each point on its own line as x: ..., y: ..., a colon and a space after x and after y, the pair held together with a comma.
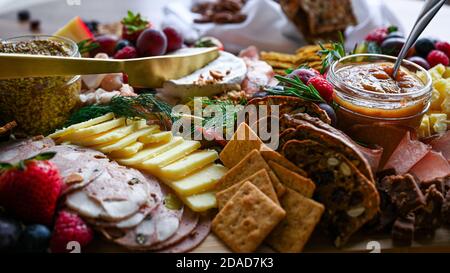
x: 201, y: 202
x: 128, y: 140
x: 156, y: 138
x: 150, y: 152
x: 73, y: 128
x: 171, y: 155
x: 187, y: 165
x: 96, y: 129
x: 128, y: 151
x: 200, y: 181
x: 111, y: 136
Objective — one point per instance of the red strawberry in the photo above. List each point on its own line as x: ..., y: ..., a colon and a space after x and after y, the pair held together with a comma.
x: 437, y: 57
x: 30, y: 189
x: 377, y: 35
x: 69, y: 227
x: 324, y: 88
x: 127, y: 52
x: 133, y: 25
x: 444, y: 47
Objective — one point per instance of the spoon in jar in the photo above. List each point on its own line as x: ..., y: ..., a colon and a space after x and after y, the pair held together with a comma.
x: 430, y: 10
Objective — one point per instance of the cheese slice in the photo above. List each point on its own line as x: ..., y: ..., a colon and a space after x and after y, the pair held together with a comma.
x: 187, y: 165
x: 128, y: 151
x: 156, y: 138
x: 111, y: 136
x: 128, y: 140
x: 231, y: 67
x: 171, y: 155
x: 150, y: 152
x: 201, y: 202
x: 81, y: 125
x: 96, y: 129
x: 200, y: 181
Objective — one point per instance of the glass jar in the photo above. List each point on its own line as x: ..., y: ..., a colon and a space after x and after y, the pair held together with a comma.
x: 39, y: 105
x: 360, y: 108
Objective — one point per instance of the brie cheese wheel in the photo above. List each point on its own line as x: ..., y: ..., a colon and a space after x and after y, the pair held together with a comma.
x: 201, y: 83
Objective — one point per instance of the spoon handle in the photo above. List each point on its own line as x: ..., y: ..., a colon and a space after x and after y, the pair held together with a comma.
x: 430, y: 10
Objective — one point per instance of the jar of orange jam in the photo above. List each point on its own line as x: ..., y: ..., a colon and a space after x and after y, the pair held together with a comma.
x: 367, y: 93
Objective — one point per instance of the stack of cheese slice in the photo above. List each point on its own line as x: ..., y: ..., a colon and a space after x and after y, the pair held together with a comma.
x: 179, y: 163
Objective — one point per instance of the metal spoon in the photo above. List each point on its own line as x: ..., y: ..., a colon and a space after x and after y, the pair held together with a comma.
x: 430, y: 10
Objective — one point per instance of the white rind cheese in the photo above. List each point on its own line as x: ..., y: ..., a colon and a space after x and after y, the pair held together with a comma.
x: 231, y: 67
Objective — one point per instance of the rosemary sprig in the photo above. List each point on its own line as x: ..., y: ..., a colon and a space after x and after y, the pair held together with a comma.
x: 87, y: 46
x: 336, y: 52
x: 295, y: 87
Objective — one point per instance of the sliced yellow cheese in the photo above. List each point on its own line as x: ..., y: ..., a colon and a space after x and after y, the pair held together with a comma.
x: 81, y: 125
x: 201, y: 202
x: 150, y: 152
x: 187, y: 165
x: 96, y: 129
x: 200, y: 181
x: 128, y: 151
x: 156, y: 138
x: 171, y: 155
x: 128, y: 140
x: 111, y: 136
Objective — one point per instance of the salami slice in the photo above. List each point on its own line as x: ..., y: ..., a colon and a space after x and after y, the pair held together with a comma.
x: 194, y: 239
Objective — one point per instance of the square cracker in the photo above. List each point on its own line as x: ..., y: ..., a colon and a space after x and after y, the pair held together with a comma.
x: 243, y: 142
x: 292, y: 180
x: 247, y: 219
x: 302, y: 216
x: 260, y: 179
x: 248, y: 166
x: 271, y: 155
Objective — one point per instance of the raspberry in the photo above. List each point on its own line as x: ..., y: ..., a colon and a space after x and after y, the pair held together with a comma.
x: 127, y: 52
x: 377, y: 35
x: 69, y: 227
x: 437, y: 57
x: 444, y: 47
x: 323, y: 86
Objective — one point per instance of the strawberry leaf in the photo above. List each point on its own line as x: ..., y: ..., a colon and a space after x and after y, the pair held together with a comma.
x: 134, y: 23
x: 5, y: 166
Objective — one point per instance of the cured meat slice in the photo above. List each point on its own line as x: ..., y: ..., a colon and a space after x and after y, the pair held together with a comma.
x: 187, y: 225
x: 373, y: 155
x: 351, y: 200
x: 15, y: 151
x: 307, y: 131
x: 129, y: 222
x: 160, y: 225
x: 259, y: 73
x: 433, y: 165
x: 442, y: 144
x: 407, y: 154
x: 194, y: 239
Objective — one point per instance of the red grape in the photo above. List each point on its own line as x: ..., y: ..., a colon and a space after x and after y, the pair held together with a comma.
x: 175, y: 39
x: 152, y: 42
x: 107, y: 44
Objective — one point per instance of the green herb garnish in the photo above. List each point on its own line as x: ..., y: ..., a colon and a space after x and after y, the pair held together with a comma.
x: 296, y: 88
x: 87, y: 46
x: 336, y: 52
x: 134, y: 23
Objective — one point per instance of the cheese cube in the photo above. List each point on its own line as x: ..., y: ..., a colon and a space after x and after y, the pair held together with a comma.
x: 201, y: 202
x: 128, y: 151
x: 156, y: 138
x: 110, y: 136
x: 424, y: 129
x: 124, y: 142
x: 445, y: 106
x: 438, y: 123
x: 81, y: 125
x: 172, y: 155
x: 150, y: 152
x: 200, y: 181
x: 187, y: 165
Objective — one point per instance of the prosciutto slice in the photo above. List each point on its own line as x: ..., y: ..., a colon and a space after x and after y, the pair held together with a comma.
x: 407, y: 154
x: 442, y: 144
x: 432, y: 166
x: 259, y: 73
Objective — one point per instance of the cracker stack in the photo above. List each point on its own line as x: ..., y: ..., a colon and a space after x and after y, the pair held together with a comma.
x: 263, y: 197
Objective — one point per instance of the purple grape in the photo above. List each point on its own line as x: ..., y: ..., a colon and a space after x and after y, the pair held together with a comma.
x: 304, y: 74
x: 420, y: 61
x: 330, y: 112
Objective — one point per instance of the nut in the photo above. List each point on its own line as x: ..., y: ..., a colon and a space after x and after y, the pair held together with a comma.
x: 355, y: 212
x: 74, y: 178
x: 333, y: 162
x: 345, y: 169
